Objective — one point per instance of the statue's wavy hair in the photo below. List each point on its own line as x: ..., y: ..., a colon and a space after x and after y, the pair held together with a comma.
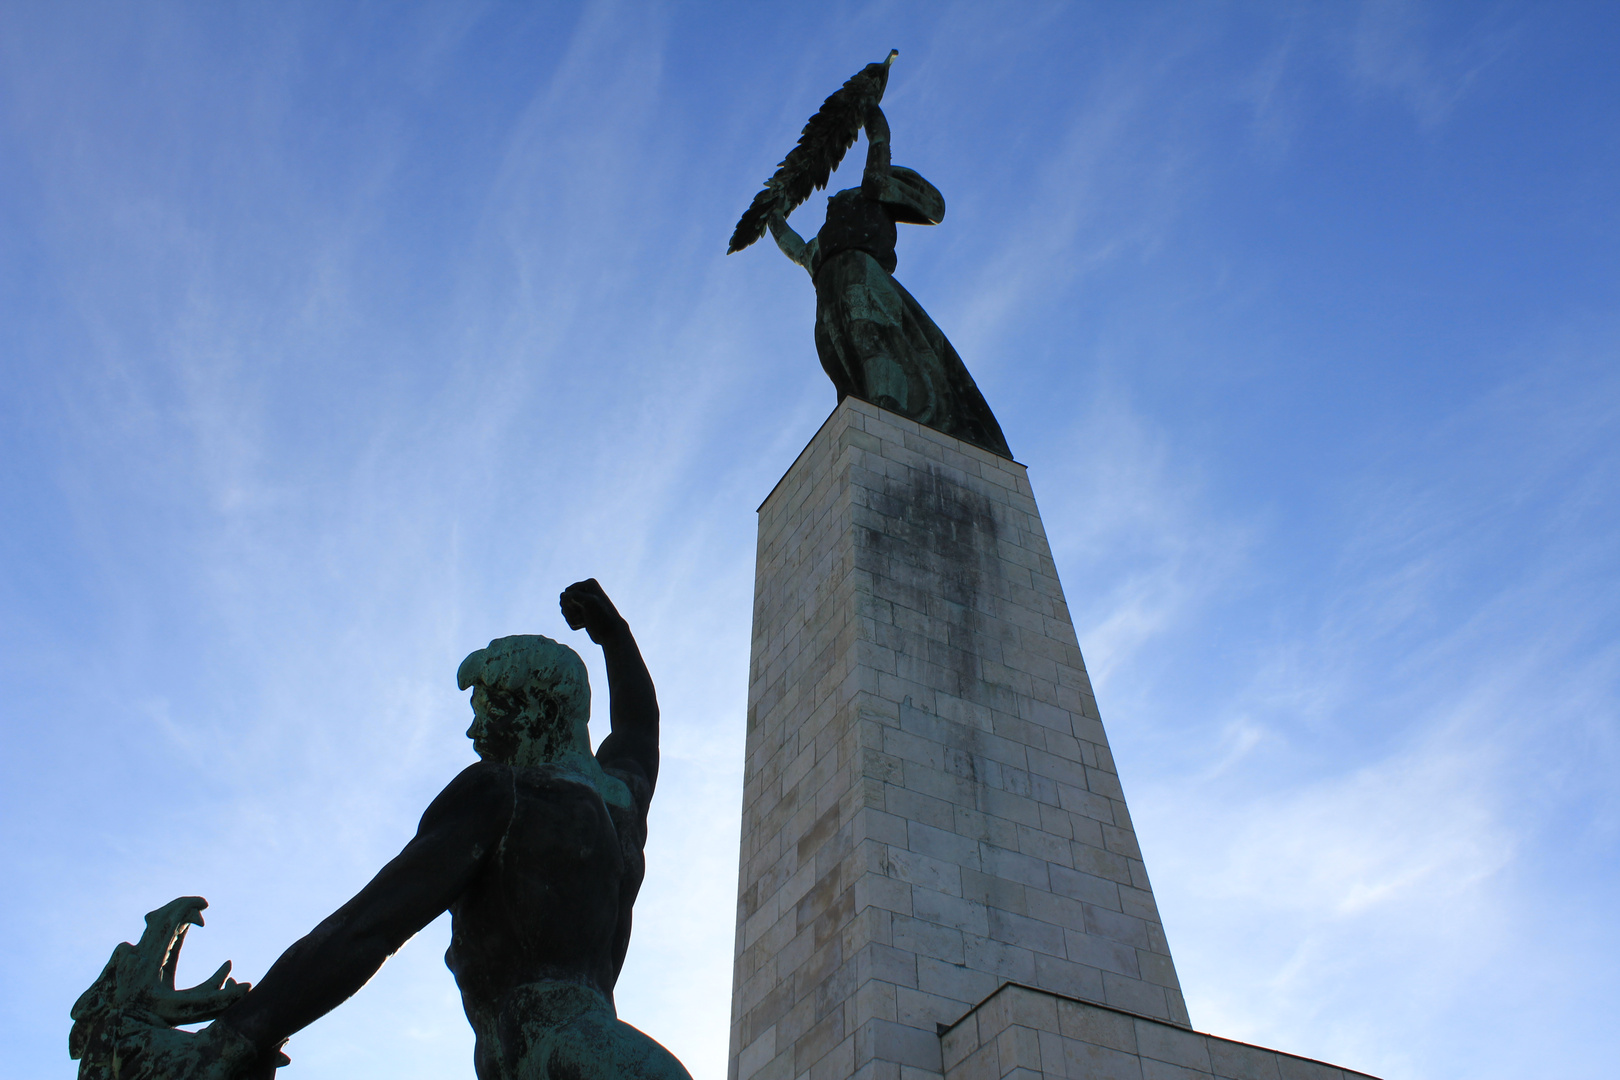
x: 531, y: 673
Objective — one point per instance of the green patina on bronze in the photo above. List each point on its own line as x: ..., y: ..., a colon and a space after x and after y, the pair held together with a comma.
x: 537, y: 853
x: 124, y: 1026
x: 874, y: 340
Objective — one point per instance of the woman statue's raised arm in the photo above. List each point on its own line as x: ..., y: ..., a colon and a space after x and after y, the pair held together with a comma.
x: 876, y: 175
x: 791, y: 243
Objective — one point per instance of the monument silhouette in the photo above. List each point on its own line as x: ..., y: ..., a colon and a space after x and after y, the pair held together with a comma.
x: 939, y: 877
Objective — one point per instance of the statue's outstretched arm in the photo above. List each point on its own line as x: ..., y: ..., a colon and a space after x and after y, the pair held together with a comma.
x: 633, y: 703
x: 321, y: 970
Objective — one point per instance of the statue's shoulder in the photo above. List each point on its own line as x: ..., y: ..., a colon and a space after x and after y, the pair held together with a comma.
x: 631, y: 775
x: 482, y: 774
x: 484, y: 787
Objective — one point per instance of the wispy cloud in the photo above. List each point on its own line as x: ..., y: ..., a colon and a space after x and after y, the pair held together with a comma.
x: 348, y: 343
x: 1395, y: 50
x: 1379, y: 804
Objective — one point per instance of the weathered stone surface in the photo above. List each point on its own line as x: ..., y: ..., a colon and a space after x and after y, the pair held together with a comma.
x: 939, y: 876
x: 930, y: 805
x: 1020, y: 1031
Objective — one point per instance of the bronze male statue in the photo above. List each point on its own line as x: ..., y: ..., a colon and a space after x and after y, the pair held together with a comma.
x: 536, y: 851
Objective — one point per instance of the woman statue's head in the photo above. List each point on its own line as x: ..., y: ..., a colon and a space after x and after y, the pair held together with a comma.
x: 906, y: 197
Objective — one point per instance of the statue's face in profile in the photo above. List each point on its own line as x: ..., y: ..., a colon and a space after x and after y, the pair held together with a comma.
x: 533, y: 722
x: 495, y: 728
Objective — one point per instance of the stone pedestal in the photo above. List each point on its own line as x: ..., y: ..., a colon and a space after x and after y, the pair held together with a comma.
x: 1025, y: 1033
x: 930, y: 808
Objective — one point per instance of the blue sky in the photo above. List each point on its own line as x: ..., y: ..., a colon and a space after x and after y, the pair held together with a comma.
x: 336, y: 339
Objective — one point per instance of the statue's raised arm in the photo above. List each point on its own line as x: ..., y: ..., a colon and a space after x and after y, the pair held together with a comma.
x: 874, y: 180
x: 826, y: 138
x: 874, y: 340
x: 791, y: 243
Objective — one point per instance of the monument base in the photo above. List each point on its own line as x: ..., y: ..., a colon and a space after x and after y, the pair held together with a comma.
x: 934, y: 836
x: 1020, y: 1033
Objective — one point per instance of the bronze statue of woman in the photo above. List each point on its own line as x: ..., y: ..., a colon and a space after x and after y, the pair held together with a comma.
x: 874, y: 340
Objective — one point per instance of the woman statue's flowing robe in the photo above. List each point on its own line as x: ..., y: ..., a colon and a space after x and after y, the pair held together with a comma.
x: 874, y: 340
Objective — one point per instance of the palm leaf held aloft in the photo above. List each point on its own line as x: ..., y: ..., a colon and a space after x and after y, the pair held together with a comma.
x: 826, y: 137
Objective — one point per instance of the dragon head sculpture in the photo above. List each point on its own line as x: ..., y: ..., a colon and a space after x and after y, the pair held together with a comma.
x: 124, y: 1026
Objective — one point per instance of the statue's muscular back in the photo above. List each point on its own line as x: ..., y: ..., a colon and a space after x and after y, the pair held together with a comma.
x: 537, y: 853
x: 553, y: 899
